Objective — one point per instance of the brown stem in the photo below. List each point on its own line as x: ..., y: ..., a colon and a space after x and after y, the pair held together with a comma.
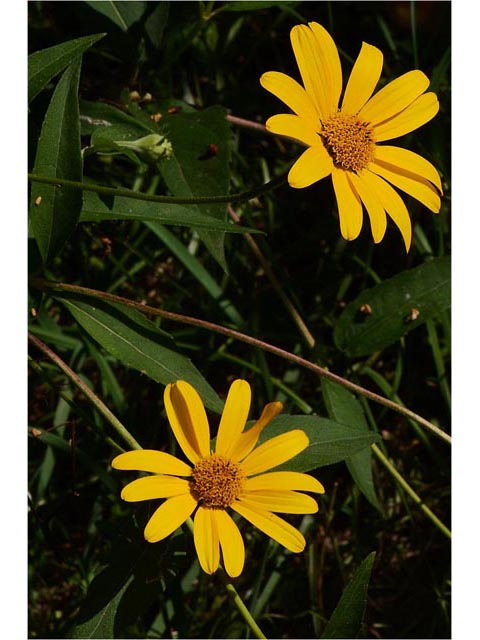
x: 255, y: 342
x: 248, y: 124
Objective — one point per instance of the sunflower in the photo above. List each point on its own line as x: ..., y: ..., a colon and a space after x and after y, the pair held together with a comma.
x: 343, y: 141
x: 230, y: 477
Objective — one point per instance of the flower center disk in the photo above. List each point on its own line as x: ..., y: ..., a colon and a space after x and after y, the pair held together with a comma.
x: 349, y: 141
x: 217, y: 481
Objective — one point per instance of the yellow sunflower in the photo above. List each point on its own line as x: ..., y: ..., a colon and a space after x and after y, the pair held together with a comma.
x: 343, y: 138
x: 231, y: 476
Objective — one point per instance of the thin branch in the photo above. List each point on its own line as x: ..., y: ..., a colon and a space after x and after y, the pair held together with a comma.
x: 85, y: 389
x: 248, y: 124
x: 136, y: 195
x: 408, y: 489
x: 265, y: 346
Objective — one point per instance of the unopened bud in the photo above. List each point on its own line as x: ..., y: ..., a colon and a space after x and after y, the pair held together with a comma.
x: 154, y: 146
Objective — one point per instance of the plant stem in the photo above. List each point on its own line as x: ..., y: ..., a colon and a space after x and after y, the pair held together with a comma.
x: 85, y: 389
x: 295, y: 315
x: 232, y: 592
x: 260, y: 344
x: 130, y: 440
x: 408, y: 489
x: 247, y: 616
x: 136, y: 195
x: 248, y: 124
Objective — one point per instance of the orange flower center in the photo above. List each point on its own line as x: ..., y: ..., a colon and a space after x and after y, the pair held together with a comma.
x: 349, y: 141
x: 217, y: 481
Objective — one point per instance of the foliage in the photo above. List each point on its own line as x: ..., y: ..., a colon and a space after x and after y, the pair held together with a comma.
x: 145, y: 97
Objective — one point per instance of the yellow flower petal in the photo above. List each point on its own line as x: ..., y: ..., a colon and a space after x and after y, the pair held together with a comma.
x: 154, y: 487
x: 394, y: 97
x: 292, y: 94
x: 416, y: 115
x: 330, y: 64
x: 394, y: 206
x: 151, y: 461
x: 285, y: 124
x: 418, y: 188
x: 169, y: 516
x: 349, y: 205
x: 188, y: 420
x: 275, y: 527
x: 280, y: 501
x: 284, y: 480
x: 363, y: 79
x: 376, y: 213
x: 234, y: 416
x: 317, y: 67
x: 231, y: 542
x: 274, y: 452
x: 249, y: 439
x: 409, y: 161
x: 205, y: 536
x: 314, y: 164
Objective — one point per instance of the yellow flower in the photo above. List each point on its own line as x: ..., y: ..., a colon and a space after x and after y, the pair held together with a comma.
x: 342, y: 138
x: 232, y: 476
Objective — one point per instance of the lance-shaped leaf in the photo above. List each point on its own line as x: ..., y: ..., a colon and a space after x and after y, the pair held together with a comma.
x: 122, y: 592
x: 330, y: 441
x: 348, y: 616
x: 199, y: 165
x: 343, y: 407
x: 382, y: 315
x: 54, y: 211
x: 123, y: 14
x: 97, y: 209
x: 138, y: 343
x: 98, y: 116
x: 46, y: 64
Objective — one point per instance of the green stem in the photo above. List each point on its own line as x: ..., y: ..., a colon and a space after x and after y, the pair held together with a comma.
x: 85, y: 389
x: 260, y: 344
x: 408, y: 489
x: 135, y: 195
x: 247, y: 616
x: 130, y: 440
x: 232, y: 592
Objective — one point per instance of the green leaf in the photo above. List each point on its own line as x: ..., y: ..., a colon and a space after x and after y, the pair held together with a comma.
x: 98, y: 115
x: 102, y: 623
x: 46, y: 64
x: 123, y: 14
x: 138, y: 343
x: 124, y: 590
x: 98, y: 209
x: 52, y: 334
x: 156, y: 22
x: 330, y: 442
x: 397, y: 306
x: 348, y: 616
x: 54, y: 211
x: 200, y: 165
x: 343, y: 407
